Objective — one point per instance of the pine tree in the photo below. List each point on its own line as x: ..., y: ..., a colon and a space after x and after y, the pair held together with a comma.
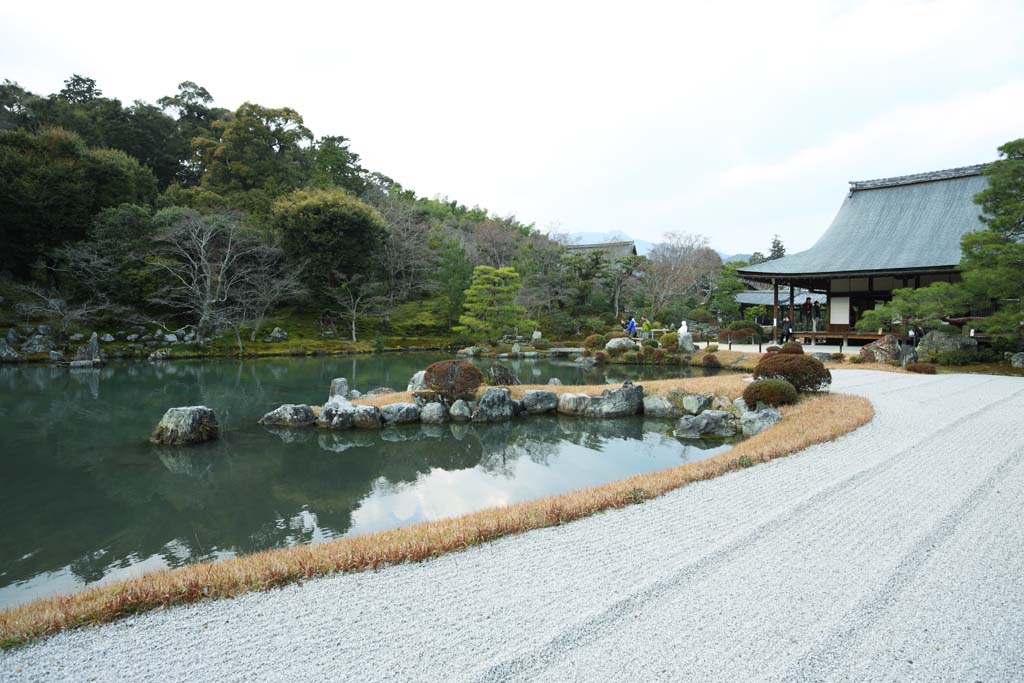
x: 778, y: 248
x: 490, y: 308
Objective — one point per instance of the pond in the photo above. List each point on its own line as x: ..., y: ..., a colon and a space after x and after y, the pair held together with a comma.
x: 87, y: 499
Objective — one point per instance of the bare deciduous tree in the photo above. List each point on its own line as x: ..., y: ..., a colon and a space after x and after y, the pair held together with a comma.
x: 405, y: 257
x: 681, y: 267
x: 355, y: 296
x: 52, y: 304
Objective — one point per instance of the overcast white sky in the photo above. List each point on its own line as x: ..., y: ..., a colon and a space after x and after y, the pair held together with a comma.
x: 731, y: 120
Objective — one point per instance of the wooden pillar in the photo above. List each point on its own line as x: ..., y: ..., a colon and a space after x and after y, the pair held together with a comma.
x: 792, y: 319
x: 775, y: 312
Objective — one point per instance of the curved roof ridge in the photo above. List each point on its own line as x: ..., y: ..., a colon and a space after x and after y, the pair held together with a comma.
x: 927, y: 177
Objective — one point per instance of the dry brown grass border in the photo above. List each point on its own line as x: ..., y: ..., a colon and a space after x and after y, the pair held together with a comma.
x: 814, y: 420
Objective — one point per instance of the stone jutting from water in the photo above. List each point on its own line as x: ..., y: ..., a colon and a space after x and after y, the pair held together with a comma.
x: 495, y: 405
x: 399, y: 413
x: 366, y: 417
x: 186, y: 425
x: 694, y: 404
x: 573, y: 404
x: 502, y: 376
x: 540, y: 401
x: 622, y: 402
x: 719, y: 423
x: 661, y: 406
x: 460, y: 411
x: 289, y: 415
x: 339, y: 387
x: 418, y: 382
x: 433, y: 413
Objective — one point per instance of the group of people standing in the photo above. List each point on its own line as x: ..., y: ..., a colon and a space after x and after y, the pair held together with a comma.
x: 630, y: 327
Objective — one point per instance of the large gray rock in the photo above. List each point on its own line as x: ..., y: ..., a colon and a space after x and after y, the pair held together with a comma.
x: 694, y: 404
x: 6, y: 352
x: 167, y: 338
x: 937, y: 342
x: 755, y: 422
x: 418, y: 382
x: 366, y: 417
x: 426, y: 397
x: 433, y: 413
x: 516, y: 349
x: 186, y: 425
x: 619, y: 344
x: 573, y: 404
x: 823, y: 357
x: 884, y: 350
x: 337, y: 413
x: 339, y: 387
x: 628, y: 400
x: 37, y: 343
x: 1017, y: 360
x: 399, y: 413
x: 56, y: 357
x: 379, y: 390
x: 554, y: 382
x: 460, y: 411
x: 91, y: 351
x: 539, y: 401
x: 289, y: 415
x: 495, y: 405
x: 500, y: 375
x: 77, y: 337
x: 277, y: 335
x: 536, y: 335
x: 908, y: 355
x: 661, y: 406
x: 686, y: 343
x: 708, y: 423
x: 739, y: 406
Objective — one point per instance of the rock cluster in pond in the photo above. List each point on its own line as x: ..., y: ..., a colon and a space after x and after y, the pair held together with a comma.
x: 500, y: 375
x: 186, y: 425
x: 697, y: 415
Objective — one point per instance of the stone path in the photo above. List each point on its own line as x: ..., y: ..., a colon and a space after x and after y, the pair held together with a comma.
x: 895, y: 553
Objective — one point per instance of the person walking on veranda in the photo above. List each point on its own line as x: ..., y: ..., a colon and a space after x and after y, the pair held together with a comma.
x: 787, y: 330
x: 805, y: 311
x: 631, y: 326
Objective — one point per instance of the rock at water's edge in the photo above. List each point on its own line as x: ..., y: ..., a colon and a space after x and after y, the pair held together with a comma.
x: 186, y: 425
x: 289, y: 415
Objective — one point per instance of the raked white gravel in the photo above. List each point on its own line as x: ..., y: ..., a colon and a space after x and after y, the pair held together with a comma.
x: 895, y: 553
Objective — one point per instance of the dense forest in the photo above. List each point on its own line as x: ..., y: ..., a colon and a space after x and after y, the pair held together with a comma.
x: 185, y: 213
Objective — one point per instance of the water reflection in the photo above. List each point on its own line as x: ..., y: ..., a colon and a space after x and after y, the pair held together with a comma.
x: 87, y: 499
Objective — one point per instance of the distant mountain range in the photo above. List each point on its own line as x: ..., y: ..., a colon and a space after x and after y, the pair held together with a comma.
x: 642, y: 246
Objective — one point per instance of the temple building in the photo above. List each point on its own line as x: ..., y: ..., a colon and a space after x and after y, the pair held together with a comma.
x: 613, y: 249
x: 888, y: 234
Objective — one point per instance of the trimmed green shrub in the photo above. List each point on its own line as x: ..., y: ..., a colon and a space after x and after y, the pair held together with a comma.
x: 659, y: 356
x: 617, y: 335
x: 631, y: 357
x: 774, y: 392
x: 454, y: 379
x: 601, y: 356
x: 838, y: 357
x: 651, y: 344
x: 803, y: 372
x: 541, y: 345
x: 594, y: 341
x: 710, y: 360
x: 587, y: 353
x: 856, y: 359
x: 712, y: 348
x: 773, y: 349
x: 670, y: 339
x: 792, y: 347
x: 921, y: 368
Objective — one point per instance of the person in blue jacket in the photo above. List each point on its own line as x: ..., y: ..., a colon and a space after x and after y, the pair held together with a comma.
x: 631, y: 328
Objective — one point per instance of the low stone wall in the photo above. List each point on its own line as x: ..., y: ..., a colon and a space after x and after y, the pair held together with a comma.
x: 697, y: 415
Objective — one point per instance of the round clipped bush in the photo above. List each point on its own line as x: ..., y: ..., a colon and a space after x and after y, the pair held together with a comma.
x: 617, y: 335
x: 601, y: 356
x: 803, y: 372
x: 593, y: 341
x: 856, y: 359
x: 659, y: 356
x: 710, y: 360
x: 454, y: 379
x: 773, y: 349
x: 921, y: 368
x: 669, y: 339
x: 712, y: 348
x: 838, y: 357
x: 774, y: 392
x: 792, y: 347
x: 631, y: 357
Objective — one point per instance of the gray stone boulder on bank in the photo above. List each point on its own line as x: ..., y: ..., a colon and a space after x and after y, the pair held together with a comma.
x: 937, y: 342
x: 91, y: 351
x: 823, y: 357
x: 686, y: 343
x: 539, y: 401
x: 433, y: 414
x: 460, y: 411
x: 755, y: 422
x: 500, y: 375
x: 366, y: 417
x: 1017, y: 360
x: 337, y: 413
x: 661, y: 406
x: 884, y: 350
x: 37, y: 343
x: 495, y: 405
x: 339, y: 387
x: 56, y: 357
x: 709, y: 423
x: 622, y: 402
x: 696, y: 403
x: 418, y: 382
x: 908, y: 355
x: 399, y: 413
x: 289, y: 415
x: 620, y: 344
x: 186, y: 425
x: 573, y: 404
x: 277, y: 335
x: 76, y: 337
x: 554, y: 382
x: 7, y: 354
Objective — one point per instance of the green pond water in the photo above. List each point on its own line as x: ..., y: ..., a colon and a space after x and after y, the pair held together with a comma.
x: 87, y: 499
